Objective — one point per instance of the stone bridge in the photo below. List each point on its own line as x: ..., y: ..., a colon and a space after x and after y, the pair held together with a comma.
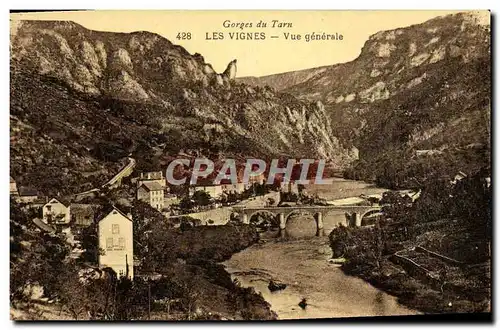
x: 318, y: 212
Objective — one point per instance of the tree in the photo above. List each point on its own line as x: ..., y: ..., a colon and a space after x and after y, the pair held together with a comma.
x: 378, y: 244
x: 201, y: 198
x: 301, y: 188
x: 235, y: 218
x: 36, y: 257
x: 186, y: 203
x: 90, y: 244
x: 186, y: 223
x: 146, y: 220
x: 259, y: 189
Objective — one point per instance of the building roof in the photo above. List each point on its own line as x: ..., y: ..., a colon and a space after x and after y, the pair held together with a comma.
x: 152, y: 186
x: 112, y: 209
x: 152, y: 175
x: 43, y: 226
x: 27, y: 191
x: 59, y: 201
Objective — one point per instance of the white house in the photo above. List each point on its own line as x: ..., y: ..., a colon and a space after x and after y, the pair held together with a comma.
x: 55, y: 212
x: 214, y: 191
x: 152, y: 177
x: 233, y: 188
x: 153, y: 194
x: 116, y: 241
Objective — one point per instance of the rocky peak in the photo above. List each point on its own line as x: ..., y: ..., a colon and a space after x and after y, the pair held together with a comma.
x: 230, y: 72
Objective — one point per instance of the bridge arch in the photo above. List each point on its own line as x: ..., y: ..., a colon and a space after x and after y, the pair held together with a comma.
x: 310, y: 224
x: 300, y: 211
x: 367, y: 214
x: 254, y: 212
x: 274, y: 223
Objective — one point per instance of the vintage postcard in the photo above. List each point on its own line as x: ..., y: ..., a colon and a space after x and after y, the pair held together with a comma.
x: 249, y: 165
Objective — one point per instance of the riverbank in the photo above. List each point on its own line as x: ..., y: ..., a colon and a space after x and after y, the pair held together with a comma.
x: 420, y: 279
x: 192, y: 264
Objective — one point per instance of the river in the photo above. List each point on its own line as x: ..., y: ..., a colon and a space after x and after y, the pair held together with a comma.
x: 302, y: 263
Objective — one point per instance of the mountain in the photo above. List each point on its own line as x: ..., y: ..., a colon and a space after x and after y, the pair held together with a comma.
x: 420, y: 90
x: 83, y: 100
x: 282, y: 81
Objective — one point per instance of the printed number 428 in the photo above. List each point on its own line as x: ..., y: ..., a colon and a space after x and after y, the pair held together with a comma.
x: 184, y: 36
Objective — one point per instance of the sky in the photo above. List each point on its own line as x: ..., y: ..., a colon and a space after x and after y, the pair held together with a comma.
x: 254, y: 57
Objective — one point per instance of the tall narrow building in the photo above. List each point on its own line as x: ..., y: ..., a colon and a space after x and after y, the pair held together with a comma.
x: 116, y: 241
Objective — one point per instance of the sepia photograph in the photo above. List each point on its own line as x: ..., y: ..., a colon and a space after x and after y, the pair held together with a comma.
x: 243, y: 165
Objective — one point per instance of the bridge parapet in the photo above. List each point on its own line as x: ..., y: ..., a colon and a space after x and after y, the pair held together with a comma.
x: 319, y: 212
x: 288, y: 209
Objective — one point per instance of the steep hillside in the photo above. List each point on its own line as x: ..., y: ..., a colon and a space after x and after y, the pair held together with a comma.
x: 424, y: 89
x: 411, y: 82
x: 282, y: 81
x: 87, y: 99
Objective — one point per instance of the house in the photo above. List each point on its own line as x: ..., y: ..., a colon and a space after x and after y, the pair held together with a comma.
x: 157, y: 175
x: 290, y: 187
x: 83, y: 215
x: 116, y: 241
x: 152, y: 177
x: 153, y: 193
x: 27, y: 195
x: 233, y: 188
x: 13, y: 187
x: 55, y: 212
x: 214, y: 191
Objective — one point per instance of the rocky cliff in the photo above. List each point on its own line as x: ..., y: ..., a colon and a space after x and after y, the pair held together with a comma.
x: 82, y: 99
x: 423, y: 87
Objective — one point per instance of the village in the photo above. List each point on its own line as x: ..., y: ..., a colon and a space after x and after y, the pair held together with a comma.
x: 71, y: 215
x: 201, y: 204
